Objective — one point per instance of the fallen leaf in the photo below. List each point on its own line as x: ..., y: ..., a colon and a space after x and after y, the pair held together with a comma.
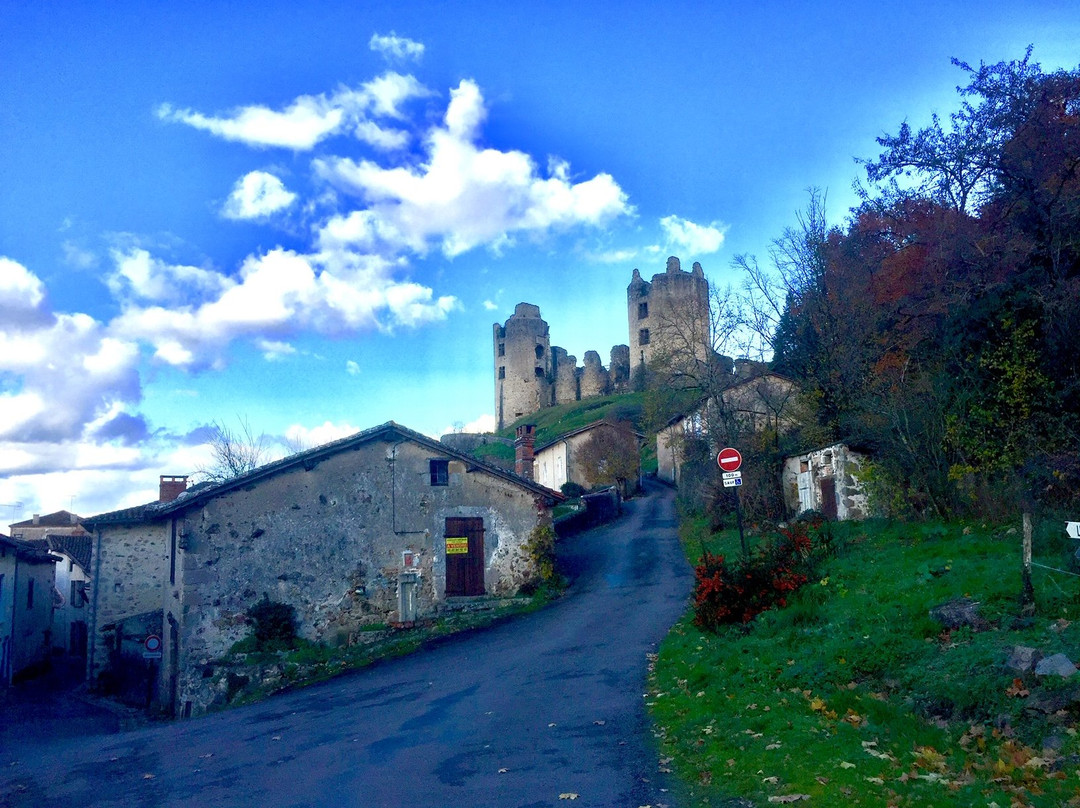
x: 569, y: 795
x: 845, y: 765
x: 772, y: 746
x: 1017, y: 690
x: 503, y: 771
x: 790, y: 798
x: 600, y: 723
x: 148, y: 776
x: 771, y: 780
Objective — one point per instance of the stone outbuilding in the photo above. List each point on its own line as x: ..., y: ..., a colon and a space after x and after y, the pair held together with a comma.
x: 384, y: 526
x: 828, y: 480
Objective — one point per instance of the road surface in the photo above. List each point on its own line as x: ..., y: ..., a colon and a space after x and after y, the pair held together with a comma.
x: 526, y: 713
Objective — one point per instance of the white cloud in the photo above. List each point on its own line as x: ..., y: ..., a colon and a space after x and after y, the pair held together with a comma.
x: 396, y: 47
x: 140, y: 276
x: 482, y: 424
x: 463, y: 196
x: 58, y: 372
x: 21, y: 291
x: 257, y: 195
x: 352, y: 368
x: 310, y: 119
x: 696, y: 238
x: 490, y: 305
x: 301, y: 437
x: 78, y: 257
x: 273, y: 350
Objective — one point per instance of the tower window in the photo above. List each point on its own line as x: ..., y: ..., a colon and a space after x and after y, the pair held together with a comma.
x: 643, y: 336
x: 539, y: 351
x: 502, y: 372
x: 539, y: 373
x: 502, y: 349
x: 642, y: 310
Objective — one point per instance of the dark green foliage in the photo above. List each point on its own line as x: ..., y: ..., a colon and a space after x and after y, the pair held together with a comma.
x: 273, y: 625
x: 572, y: 490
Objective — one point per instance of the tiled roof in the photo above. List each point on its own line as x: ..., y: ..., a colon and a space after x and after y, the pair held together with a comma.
x: 79, y: 548
x: 205, y: 491
x: 58, y: 519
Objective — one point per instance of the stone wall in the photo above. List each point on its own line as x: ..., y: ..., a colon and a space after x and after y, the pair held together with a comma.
x: 330, y: 541
x: 670, y: 313
x: 131, y: 575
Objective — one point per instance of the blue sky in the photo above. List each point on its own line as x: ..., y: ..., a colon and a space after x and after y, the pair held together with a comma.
x: 309, y: 215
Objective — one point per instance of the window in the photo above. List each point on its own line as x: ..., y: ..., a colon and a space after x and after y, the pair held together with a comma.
x: 539, y: 373
x: 643, y: 336
x: 539, y: 351
x: 642, y: 310
x: 502, y: 349
x: 78, y: 594
x: 439, y: 470
x: 502, y: 372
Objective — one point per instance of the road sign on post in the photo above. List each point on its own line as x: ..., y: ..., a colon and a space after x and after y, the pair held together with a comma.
x: 729, y: 459
x: 1073, y: 529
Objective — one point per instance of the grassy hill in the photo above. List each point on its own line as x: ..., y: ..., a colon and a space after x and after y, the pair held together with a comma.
x: 853, y: 695
x: 551, y: 422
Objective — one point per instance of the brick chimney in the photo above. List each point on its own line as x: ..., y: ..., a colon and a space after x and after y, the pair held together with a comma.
x: 523, y: 450
x: 171, y: 486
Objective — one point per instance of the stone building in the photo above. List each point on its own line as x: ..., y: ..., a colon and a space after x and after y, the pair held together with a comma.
x: 828, y: 480
x: 562, y: 460
x: 669, y: 314
x: 26, y: 607
x: 382, y: 527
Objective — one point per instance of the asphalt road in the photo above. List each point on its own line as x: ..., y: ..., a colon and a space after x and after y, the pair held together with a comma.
x: 526, y: 713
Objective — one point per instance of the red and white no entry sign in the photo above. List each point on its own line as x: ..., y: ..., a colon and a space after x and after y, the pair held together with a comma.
x: 729, y: 459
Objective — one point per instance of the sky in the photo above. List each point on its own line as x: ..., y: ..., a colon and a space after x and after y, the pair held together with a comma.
x: 306, y: 218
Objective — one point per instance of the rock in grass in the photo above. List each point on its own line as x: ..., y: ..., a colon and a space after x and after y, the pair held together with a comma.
x: 1058, y: 665
x: 1022, y: 658
x: 959, y: 613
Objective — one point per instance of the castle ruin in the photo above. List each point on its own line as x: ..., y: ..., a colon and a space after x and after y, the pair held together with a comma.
x: 669, y: 313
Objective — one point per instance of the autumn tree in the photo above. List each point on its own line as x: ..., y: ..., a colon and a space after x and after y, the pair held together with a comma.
x: 610, y: 456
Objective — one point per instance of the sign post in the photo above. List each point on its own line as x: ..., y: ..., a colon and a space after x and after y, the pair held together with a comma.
x: 729, y: 460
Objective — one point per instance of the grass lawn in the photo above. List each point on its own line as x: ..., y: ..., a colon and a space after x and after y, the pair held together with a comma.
x: 853, y: 695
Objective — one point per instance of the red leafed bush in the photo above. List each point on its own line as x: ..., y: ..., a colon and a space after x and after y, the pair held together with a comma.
x: 739, y: 591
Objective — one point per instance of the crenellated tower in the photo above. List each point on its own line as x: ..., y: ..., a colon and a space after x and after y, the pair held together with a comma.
x: 669, y: 315
x: 524, y: 382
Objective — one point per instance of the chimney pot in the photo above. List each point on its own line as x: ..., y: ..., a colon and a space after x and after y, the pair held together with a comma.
x: 171, y: 486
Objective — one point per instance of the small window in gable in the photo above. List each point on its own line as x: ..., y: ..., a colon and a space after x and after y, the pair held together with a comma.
x: 439, y: 470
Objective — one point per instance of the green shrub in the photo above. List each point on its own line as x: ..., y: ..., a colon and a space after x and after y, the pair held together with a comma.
x: 572, y: 490
x: 273, y: 625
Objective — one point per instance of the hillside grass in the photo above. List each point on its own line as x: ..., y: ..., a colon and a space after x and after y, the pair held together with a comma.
x: 853, y: 695
x: 551, y: 422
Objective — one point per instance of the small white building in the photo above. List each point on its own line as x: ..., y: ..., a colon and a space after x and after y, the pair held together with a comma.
x: 828, y: 480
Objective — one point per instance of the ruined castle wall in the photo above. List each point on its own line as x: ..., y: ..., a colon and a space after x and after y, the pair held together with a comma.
x: 668, y: 314
x: 594, y: 378
x: 566, y: 380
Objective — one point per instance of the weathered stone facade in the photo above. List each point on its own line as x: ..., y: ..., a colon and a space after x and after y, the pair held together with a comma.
x: 26, y: 607
x: 826, y: 480
x: 670, y: 313
x: 335, y: 532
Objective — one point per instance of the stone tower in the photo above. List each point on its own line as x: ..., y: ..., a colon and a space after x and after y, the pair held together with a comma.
x: 523, y: 367
x: 668, y: 314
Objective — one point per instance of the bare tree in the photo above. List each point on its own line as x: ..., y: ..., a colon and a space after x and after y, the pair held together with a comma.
x: 235, y: 451
x: 611, y: 456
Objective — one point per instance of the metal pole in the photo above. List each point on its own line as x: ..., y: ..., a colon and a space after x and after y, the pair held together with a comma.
x: 738, y: 519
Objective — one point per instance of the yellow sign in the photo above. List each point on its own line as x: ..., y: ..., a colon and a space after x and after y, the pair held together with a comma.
x: 457, y: 545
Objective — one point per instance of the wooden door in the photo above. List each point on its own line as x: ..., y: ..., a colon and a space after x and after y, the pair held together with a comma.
x: 464, y: 538
x: 828, y: 497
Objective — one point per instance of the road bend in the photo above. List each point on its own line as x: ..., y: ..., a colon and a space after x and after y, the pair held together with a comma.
x: 527, y: 713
